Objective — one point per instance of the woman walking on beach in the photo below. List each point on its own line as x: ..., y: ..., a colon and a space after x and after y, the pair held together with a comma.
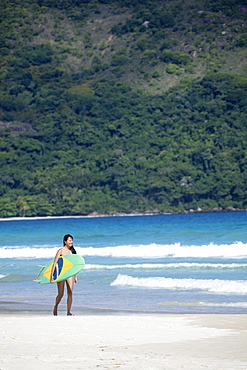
x: 66, y: 249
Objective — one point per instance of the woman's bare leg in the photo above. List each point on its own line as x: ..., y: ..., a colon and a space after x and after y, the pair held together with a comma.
x: 60, y: 292
x: 70, y: 285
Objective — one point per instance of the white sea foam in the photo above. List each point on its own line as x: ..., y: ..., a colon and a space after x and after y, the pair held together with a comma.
x: 166, y: 266
x: 214, y: 286
x: 224, y: 304
x: 28, y: 252
x: 206, y: 304
x: 235, y: 250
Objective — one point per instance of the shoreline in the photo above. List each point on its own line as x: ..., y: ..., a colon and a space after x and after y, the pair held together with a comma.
x: 21, y: 308
x: 129, y: 342
x: 122, y: 214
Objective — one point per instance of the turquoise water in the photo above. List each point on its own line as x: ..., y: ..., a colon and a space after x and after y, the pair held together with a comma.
x: 190, y: 263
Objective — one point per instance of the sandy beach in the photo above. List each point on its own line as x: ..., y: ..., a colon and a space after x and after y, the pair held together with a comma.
x: 123, y: 342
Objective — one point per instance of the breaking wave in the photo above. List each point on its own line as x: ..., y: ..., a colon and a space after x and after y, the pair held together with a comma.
x: 235, y: 250
x: 213, y: 286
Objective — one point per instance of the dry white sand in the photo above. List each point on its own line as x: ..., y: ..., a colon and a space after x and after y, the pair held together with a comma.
x: 123, y: 342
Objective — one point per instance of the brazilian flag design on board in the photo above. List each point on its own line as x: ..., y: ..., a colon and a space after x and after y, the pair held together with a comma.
x: 67, y: 266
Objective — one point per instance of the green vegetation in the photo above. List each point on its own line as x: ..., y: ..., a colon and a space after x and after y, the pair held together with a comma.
x: 116, y: 106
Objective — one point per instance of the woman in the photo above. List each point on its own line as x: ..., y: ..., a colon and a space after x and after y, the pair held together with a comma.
x: 66, y: 249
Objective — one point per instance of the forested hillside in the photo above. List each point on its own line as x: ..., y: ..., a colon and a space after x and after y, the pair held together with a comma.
x: 122, y: 106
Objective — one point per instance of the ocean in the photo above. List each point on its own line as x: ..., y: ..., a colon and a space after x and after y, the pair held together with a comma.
x: 176, y: 263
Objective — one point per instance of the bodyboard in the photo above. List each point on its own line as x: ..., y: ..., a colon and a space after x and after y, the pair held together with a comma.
x: 67, y: 266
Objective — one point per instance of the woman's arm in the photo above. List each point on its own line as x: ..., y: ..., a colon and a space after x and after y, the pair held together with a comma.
x: 58, y: 254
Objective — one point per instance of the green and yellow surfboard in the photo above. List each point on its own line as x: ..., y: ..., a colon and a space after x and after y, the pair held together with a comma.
x: 67, y: 266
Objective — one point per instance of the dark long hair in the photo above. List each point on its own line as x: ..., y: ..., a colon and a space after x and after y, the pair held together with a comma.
x: 65, y: 238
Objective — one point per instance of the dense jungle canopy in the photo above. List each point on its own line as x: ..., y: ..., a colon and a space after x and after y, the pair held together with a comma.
x: 122, y: 106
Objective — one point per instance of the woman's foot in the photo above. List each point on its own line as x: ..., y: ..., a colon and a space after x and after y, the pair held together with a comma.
x: 55, y: 311
x: 70, y: 314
